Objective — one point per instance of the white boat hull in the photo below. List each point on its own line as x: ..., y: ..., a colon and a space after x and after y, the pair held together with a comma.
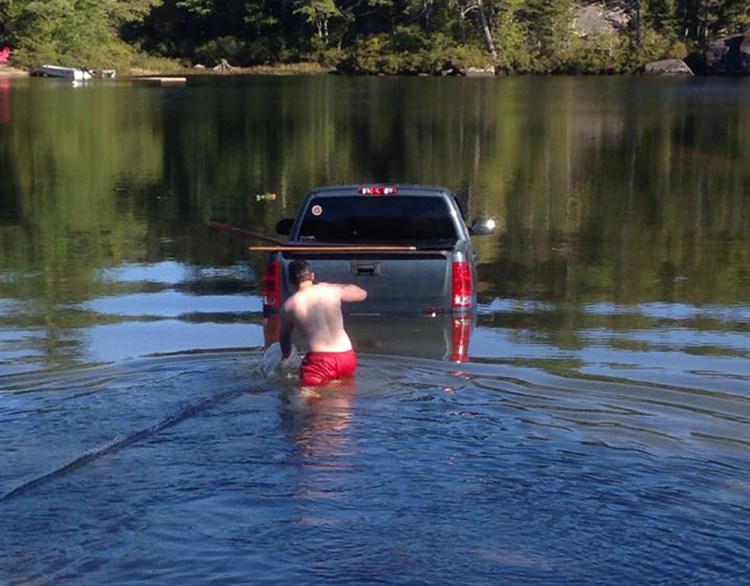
x: 66, y: 72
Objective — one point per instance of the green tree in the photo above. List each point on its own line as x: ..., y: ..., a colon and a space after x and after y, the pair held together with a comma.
x: 319, y: 13
x: 70, y: 31
x: 705, y: 19
x: 661, y: 15
x: 516, y: 35
x: 548, y: 29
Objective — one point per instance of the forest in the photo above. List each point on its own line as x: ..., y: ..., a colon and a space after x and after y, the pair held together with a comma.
x: 366, y: 36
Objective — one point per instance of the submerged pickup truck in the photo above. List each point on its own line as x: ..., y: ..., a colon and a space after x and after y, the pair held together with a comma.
x: 408, y: 246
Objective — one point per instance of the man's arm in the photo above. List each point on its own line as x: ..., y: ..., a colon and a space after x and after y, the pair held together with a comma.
x: 352, y: 293
x: 285, y: 335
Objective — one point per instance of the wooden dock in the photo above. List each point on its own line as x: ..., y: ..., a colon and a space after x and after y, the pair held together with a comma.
x: 156, y: 80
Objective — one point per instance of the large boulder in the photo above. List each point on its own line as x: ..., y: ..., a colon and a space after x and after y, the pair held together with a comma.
x: 668, y: 67
x: 729, y: 55
x: 595, y: 19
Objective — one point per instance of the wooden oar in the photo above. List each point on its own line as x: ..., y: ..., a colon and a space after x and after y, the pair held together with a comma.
x: 243, y: 232
x: 325, y: 248
x: 279, y: 246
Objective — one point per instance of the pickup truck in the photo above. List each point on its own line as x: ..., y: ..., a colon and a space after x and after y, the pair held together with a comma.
x: 408, y: 246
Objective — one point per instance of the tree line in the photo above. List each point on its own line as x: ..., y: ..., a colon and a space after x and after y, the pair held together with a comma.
x: 364, y: 36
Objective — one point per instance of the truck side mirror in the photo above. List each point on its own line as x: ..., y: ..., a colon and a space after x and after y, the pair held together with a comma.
x: 284, y: 226
x: 482, y: 226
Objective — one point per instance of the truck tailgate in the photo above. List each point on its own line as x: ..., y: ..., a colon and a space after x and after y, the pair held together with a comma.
x: 409, y: 282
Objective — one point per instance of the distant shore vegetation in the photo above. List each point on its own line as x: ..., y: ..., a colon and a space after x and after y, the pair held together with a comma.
x: 368, y: 37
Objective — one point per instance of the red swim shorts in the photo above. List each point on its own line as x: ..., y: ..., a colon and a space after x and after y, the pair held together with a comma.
x: 319, y: 368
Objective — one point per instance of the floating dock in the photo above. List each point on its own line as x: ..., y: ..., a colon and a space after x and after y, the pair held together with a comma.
x: 154, y: 80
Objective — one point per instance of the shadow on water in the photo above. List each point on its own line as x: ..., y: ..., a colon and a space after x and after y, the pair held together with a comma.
x: 121, y: 441
x: 108, y: 408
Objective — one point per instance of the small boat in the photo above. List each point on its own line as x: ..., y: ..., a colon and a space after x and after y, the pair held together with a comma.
x: 73, y: 73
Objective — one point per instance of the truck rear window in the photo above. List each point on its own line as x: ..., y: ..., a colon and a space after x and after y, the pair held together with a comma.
x: 373, y: 219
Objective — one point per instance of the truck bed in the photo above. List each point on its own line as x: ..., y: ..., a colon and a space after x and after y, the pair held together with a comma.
x: 408, y: 282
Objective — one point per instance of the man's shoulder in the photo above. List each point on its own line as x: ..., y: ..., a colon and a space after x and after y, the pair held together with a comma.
x: 289, y: 304
x: 329, y: 289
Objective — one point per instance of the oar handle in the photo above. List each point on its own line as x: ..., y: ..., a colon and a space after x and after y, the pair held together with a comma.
x: 352, y: 248
x: 243, y: 232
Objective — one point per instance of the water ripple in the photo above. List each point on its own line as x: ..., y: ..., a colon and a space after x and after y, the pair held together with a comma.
x: 422, y: 472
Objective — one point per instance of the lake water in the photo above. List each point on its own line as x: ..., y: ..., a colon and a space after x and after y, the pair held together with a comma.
x: 591, y: 426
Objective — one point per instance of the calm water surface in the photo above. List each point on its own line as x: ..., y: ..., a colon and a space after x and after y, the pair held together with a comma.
x: 599, y: 432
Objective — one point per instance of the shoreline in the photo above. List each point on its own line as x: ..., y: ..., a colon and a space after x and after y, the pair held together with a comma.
x: 301, y: 68
x: 9, y: 71
x: 283, y: 69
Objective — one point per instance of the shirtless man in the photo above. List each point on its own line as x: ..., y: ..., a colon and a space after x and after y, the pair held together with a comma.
x: 315, y: 308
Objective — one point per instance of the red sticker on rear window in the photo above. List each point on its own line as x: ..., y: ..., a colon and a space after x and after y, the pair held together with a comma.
x: 316, y: 210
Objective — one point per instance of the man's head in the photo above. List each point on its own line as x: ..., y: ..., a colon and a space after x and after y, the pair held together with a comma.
x: 299, y: 272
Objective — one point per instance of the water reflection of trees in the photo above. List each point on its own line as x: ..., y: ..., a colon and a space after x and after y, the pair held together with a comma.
x: 631, y: 204
x: 604, y: 189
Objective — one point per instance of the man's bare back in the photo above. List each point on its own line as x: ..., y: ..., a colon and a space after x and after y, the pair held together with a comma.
x: 315, y: 309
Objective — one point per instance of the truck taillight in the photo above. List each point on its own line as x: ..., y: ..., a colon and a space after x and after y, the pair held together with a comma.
x: 378, y: 190
x: 461, y: 290
x: 460, y: 337
x: 271, y: 286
